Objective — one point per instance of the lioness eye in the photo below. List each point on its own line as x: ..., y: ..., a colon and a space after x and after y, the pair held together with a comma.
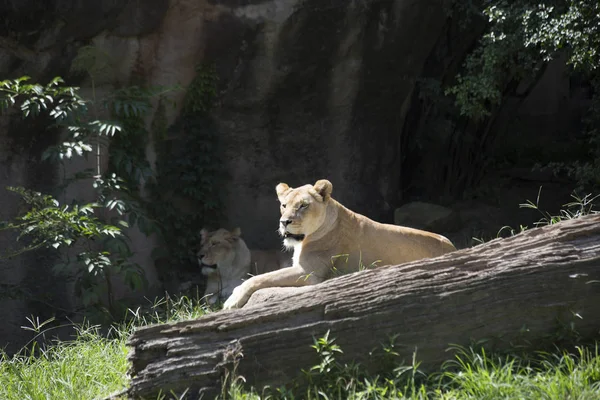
x: 303, y: 205
x: 283, y: 206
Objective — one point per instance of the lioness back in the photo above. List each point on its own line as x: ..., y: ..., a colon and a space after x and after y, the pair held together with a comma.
x: 352, y: 242
x: 398, y: 244
x: 269, y: 260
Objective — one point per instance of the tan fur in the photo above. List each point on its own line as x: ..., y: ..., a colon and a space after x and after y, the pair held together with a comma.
x: 234, y: 262
x: 336, y: 240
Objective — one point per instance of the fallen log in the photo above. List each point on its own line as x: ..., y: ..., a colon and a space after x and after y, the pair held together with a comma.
x: 529, y: 283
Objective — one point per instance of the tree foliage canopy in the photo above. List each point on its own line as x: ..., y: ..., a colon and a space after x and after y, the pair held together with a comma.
x: 523, y: 35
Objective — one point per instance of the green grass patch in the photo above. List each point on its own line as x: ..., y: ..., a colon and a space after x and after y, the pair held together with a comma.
x: 560, y: 375
x: 92, y: 365
x: 471, y: 375
x: 89, y: 366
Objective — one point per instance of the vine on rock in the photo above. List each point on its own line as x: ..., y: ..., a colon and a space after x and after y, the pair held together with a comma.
x: 187, y: 192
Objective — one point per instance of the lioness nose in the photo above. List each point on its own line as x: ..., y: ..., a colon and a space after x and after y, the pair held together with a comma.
x: 285, y: 222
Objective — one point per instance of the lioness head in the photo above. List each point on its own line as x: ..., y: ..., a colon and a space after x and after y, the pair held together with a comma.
x: 303, y: 210
x: 218, y: 246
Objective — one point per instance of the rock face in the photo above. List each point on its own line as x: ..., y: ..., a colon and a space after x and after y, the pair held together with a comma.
x: 318, y: 90
x: 307, y: 90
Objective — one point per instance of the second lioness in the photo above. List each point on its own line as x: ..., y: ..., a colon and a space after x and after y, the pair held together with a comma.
x: 226, y: 261
x: 328, y: 237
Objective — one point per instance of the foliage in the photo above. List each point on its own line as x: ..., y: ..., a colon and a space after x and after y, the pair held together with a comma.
x: 472, y: 374
x: 192, y: 178
x: 327, y: 368
x: 189, y: 173
x: 522, y: 37
x: 94, y: 62
x: 47, y: 223
x: 586, y: 171
x: 579, y: 207
x: 168, y: 309
x: 101, y: 247
x: 130, y: 105
x: 202, y: 91
x: 127, y: 162
x: 332, y: 379
x: 569, y: 25
x: 488, y: 70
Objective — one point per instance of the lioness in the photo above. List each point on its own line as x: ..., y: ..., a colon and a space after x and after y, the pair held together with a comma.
x: 226, y: 261
x: 327, y: 237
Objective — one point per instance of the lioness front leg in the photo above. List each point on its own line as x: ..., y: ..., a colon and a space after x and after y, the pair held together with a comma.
x: 290, y: 276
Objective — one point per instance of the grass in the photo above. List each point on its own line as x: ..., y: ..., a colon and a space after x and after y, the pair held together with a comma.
x: 471, y: 375
x: 92, y: 365
x: 560, y: 375
x: 576, y: 208
x: 84, y: 368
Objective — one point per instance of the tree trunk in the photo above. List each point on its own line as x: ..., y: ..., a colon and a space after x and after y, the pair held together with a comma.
x: 525, y: 286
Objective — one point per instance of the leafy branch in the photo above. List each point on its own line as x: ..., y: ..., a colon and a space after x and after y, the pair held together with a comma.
x: 102, y: 249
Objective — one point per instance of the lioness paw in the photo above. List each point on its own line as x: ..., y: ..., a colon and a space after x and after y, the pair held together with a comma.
x: 231, y: 303
x: 237, y: 299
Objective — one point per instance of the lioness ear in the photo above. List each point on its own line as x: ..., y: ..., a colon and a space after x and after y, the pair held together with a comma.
x: 281, y: 189
x: 203, y: 234
x: 324, y: 188
x: 234, y: 235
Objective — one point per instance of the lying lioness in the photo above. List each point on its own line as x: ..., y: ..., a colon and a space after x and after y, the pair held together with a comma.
x: 327, y: 238
x: 226, y: 261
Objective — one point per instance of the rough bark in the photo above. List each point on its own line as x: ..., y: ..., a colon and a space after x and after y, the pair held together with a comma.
x: 537, y: 279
